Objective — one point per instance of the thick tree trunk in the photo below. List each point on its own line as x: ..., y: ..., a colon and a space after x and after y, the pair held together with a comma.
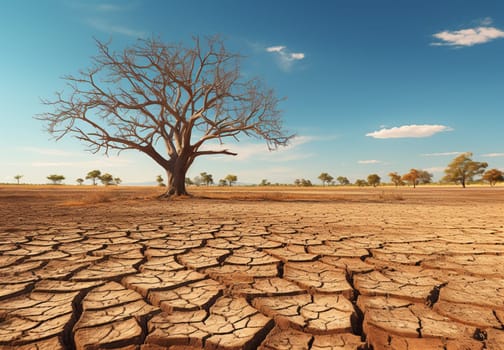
x: 176, y: 175
x: 176, y: 184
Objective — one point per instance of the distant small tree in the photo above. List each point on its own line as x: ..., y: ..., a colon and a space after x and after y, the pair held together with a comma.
x: 303, y: 182
x: 106, y: 179
x: 56, y: 179
x: 462, y: 169
x: 117, y: 180
x: 264, y: 182
x: 343, y: 180
x: 395, y: 178
x: 411, y: 177
x: 80, y: 181
x: 198, y: 181
x: 306, y: 183
x: 417, y: 176
x: 223, y: 182
x: 231, y: 179
x: 160, y: 181
x: 361, y: 182
x: 325, y: 178
x: 93, y: 175
x: 373, y: 180
x: 188, y: 181
x: 207, y: 179
x: 425, y: 177
x: 493, y: 176
x: 18, y: 177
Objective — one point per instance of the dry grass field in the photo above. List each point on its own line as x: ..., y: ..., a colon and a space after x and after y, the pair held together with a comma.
x: 251, y: 267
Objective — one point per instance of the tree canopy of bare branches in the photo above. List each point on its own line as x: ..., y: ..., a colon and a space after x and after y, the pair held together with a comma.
x: 167, y: 101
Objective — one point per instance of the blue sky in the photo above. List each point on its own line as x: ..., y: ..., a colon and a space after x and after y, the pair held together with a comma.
x: 371, y: 86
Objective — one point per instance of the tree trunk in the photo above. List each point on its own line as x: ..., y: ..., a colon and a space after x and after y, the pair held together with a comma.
x: 175, y: 185
x: 176, y: 175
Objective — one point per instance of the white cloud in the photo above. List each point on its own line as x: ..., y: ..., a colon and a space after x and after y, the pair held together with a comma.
x: 468, y: 37
x: 297, y: 56
x: 369, y: 161
x: 440, y: 154
x: 275, y: 48
x: 285, y: 57
x: 105, y: 26
x: 493, y: 155
x: 259, y: 151
x: 415, y: 131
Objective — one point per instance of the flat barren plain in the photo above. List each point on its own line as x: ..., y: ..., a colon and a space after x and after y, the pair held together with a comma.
x: 246, y: 268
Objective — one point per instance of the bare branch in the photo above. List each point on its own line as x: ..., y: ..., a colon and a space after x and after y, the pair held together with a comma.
x: 154, y: 94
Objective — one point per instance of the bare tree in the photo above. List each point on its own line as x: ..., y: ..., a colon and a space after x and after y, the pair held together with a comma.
x: 166, y: 101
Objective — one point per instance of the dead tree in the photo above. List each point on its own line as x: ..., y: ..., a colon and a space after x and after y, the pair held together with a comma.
x: 166, y: 101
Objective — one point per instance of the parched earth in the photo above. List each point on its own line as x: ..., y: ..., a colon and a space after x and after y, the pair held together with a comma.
x: 226, y: 274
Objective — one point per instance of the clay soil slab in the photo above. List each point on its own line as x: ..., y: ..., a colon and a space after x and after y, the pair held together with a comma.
x: 153, y: 280
x: 317, y: 314
x: 111, y: 335
x: 320, y: 277
x: 412, y: 286
x: 193, y: 296
x: 262, y: 287
x: 230, y: 324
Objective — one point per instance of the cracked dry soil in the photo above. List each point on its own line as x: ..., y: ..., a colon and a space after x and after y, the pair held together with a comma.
x: 228, y: 274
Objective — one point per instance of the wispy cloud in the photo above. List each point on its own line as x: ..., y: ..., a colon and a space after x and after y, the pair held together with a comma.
x: 484, y: 21
x: 259, y: 151
x: 441, y: 154
x: 46, y: 151
x: 285, y: 57
x: 369, y: 161
x: 107, y: 27
x: 409, y: 131
x: 275, y: 48
x: 493, y: 155
x: 480, y: 34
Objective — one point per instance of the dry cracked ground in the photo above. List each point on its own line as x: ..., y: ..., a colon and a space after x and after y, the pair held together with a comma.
x: 398, y: 273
